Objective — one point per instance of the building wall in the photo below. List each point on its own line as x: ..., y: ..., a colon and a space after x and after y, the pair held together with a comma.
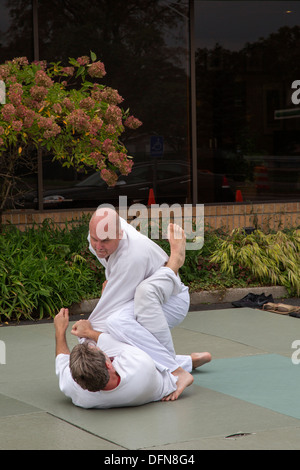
x: 267, y: 216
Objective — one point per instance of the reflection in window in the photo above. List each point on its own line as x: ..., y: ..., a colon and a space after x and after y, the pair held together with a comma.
x: 172, y: 170
x: 247, y: 59
x: 144, y: 46
x: 16, y: 30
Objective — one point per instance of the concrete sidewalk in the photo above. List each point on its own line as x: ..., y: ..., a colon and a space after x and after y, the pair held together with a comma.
x: 246, y: 398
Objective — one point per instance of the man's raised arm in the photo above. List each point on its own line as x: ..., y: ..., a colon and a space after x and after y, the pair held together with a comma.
x: 61, y: 323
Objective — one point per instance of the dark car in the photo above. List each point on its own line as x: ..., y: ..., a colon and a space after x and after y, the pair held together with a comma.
x: 170, y: 181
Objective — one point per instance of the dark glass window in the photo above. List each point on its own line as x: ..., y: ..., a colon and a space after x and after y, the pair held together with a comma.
x: 16, y: 30
x: 247, y: 77
x: 144, y: 46
x: 248, y: 56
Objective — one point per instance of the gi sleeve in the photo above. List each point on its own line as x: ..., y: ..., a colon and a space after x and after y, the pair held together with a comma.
x: 62, y: 369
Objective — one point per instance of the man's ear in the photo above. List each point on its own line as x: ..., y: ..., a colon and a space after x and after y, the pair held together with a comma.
x: 108, y: 364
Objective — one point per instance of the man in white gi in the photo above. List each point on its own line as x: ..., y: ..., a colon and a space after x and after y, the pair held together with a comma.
x: 131, y: 378
x: 129, y: 258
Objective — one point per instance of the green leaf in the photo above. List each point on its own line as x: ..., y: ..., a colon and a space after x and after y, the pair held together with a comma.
x: 80, y: 71
x: 93, y: 56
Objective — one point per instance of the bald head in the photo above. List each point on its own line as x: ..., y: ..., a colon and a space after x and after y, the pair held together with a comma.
x: 105, y: 231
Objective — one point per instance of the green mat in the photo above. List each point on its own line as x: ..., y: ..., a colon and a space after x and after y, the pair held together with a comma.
x: 268, y: 380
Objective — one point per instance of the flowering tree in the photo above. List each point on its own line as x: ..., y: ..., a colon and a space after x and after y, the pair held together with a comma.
x: 65, y: 110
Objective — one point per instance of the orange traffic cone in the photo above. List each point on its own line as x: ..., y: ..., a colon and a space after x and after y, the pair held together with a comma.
x: 238, y: 196
x: 151, y: 198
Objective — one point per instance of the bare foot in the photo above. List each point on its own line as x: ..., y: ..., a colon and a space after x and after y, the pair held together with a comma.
x: 185, y: 379
x: 199, y: 359
x: 177, y: 240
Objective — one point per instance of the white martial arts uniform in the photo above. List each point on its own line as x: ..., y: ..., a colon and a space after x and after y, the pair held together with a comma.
x: 138, y: 258
x: 140, y: 383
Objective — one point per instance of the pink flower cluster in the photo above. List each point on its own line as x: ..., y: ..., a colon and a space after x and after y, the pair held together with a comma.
x: 107, y: 146
x: 57, y: 108
x: 20, y: 61
x: 8, y: 112
x: 99, y: 159
x: 15, y: 94
x: 42, y: 79
x: 113, y: 115
x: 120, y: 160
x: 69, y: 105
x: 26, y: 114
x: 40, y: 63
x: 132, y: 122
x: 2, y: 131
x: 51, y: 129
x: 29, y: 117
x: 4, y: 71
x: 109, y: 176
x: 17, y: 125
x: 83, y: 60
x: 97, y: 70
x: 95, y: 125
x: 78, y: 119
x: 107, y: 94
x: 38, y: 93
x: 87, y: 103
x: 68, y: 71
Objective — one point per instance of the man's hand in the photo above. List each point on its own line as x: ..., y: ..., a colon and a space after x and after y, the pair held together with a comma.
x: 83, y: 329
x: 61, y: 320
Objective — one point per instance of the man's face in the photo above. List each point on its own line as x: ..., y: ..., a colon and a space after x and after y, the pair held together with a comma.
x: 104, y: 238
x: 104, y: 248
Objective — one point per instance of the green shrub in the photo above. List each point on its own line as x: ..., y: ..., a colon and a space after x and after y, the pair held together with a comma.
x: 45, y: 268
x: 273, y: 259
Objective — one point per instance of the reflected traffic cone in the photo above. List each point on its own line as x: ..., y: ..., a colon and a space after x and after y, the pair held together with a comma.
x: 151, y: 198
x: 238, y: 196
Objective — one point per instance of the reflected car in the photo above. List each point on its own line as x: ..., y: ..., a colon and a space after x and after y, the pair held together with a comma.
x: 170, y: 180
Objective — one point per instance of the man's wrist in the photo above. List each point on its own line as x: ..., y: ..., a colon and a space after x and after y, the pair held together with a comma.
x: 94, y: 335
x: 61, y: 342
x: 59, y: 333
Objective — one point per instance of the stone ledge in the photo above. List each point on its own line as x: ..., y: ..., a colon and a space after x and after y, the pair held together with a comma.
x: 231, y: 295
x: 202, y: 297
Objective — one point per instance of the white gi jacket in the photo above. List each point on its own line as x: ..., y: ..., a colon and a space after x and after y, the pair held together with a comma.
x: 136, y: 258
x: 140, y: 383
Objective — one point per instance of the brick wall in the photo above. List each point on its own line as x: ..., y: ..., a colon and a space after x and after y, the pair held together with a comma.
x: 266, y: 216
x: 274, y: 216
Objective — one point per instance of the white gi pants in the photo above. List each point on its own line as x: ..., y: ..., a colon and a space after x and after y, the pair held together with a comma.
x: 160, y: 303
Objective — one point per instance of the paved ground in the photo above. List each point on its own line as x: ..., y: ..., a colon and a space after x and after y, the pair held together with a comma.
x: 246, y: 398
